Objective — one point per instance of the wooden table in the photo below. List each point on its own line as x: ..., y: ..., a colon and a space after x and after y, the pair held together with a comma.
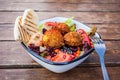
x: 16, y: 64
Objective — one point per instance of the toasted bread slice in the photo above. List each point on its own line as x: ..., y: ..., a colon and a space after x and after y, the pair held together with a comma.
x: 16, y: 30
x: 19, y: 32
x: 30, y: 21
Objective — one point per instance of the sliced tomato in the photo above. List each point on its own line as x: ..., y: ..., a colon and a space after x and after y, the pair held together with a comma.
x: 62, y: 57
x: 50, y: 24
x: 86, y: 40
x: 48, y: 57
x: 84, y: 35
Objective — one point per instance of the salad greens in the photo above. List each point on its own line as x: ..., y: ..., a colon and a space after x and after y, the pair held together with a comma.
x: 41, y: 27
x: 69, y: 21
x: 72, y: 28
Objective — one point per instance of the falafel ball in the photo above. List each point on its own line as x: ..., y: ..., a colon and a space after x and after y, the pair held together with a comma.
x: 62, y: 27
x: 52, y: 38
x: 73, y: 39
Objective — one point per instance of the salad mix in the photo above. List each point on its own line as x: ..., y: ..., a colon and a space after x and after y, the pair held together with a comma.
x: 60, y: 41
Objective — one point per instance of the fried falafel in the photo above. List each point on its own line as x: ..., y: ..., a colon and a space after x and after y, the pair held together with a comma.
x: 53, y: 38
x: 62, y: 27
x: 73, y: 39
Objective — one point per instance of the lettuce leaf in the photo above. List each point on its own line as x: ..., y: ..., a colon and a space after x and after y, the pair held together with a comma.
x: 69, y: 21
x: 73, y: 27
x: 41, y: 27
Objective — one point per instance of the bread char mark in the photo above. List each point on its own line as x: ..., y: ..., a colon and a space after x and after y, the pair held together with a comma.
x: 24, y: 36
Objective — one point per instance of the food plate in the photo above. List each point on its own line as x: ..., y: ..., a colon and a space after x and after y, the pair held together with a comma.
x: 60, y: 67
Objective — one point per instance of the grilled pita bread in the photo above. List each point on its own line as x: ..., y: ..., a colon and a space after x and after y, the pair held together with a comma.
x: 19, y: 32
x: 30, y: 21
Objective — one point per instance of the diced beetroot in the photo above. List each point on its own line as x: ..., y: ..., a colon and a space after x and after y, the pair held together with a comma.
x: 44, y: 30
x: 34, y: 48
x: 77, y: 53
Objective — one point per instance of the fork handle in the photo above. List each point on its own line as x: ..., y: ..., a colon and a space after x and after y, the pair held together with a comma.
x: 104, y: 71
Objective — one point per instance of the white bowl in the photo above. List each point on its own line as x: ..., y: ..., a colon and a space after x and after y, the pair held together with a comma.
x: 65, y: 66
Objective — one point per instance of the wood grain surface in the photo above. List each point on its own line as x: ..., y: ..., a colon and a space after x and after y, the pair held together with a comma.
x: 65, y: 1
x: 68, y: 7
x: 79, y: 73
x: 84, y: 17
x: 16, y: 64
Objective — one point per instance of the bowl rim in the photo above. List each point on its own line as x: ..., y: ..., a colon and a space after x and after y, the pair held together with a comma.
x: 58, y: 63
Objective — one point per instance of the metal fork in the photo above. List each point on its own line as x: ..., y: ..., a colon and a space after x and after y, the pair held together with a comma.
x: 100, y: 48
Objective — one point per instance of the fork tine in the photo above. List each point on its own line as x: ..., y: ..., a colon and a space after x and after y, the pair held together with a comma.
x: 101, y: 41
x: 97, y: 40
x: 93, y: 39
